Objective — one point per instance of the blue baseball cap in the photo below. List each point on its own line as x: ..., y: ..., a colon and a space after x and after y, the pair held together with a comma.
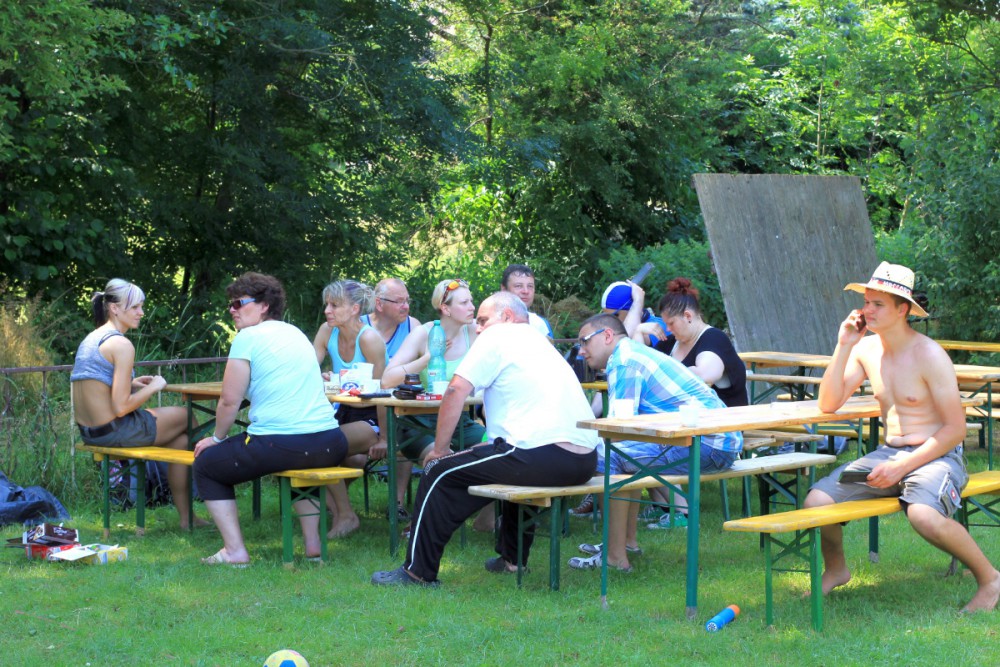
x: 618, y: 296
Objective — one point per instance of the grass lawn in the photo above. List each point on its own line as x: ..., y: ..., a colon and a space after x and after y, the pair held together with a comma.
x: 162, y: 607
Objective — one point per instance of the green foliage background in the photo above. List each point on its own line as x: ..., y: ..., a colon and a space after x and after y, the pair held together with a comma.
x: 179, y: 144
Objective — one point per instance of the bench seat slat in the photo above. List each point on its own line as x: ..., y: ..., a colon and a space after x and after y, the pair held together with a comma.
x: 534, y: 495
x: 165, y: 454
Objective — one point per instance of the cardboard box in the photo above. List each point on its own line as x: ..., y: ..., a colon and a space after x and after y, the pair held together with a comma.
x: 44, y: 551
x: 92, y: 554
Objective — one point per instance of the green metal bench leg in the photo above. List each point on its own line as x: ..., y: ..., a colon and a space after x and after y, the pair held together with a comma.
x: 139, y: 468
x: 816, y: 579
x: 768, y: 579
x: 724, y: 495
x: 256, y: 499
x: 106, y: 487
x: 520, y: 544
x: 555, y: 532
x: 285, y: 490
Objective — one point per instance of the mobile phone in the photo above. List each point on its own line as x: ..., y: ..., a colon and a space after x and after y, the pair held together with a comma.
x: 376, y: 394
x: 862, y: 322
x: 642, y: 273
x: 858, y: 476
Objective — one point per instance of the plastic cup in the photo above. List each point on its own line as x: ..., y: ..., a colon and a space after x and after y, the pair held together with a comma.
x: 689, y: 414
x: 364, y: 370
x: 621, y: 408
x: 439, y: 387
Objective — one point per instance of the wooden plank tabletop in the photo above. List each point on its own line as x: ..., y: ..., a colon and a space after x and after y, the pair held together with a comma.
x: 964, y: 372
x: 969, y: 346
x: 665, y: 426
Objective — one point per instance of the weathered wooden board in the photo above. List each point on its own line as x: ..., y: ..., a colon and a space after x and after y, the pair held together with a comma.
x: 784, y: 247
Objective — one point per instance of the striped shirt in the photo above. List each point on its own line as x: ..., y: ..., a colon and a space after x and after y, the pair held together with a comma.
x: 656, y: 383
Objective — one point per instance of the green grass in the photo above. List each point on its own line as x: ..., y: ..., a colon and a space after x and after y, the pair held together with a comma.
x: 163, y: 607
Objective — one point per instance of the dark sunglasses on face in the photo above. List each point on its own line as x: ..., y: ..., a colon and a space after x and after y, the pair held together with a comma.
x: 236, y: 304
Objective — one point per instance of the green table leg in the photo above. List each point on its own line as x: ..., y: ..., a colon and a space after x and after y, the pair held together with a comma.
x: 768, y: 580
x: 694, y: 522
x: 604, y: 524
x: 390, y: 468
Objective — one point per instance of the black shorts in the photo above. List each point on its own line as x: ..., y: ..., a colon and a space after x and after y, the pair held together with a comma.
x: 348, y: 414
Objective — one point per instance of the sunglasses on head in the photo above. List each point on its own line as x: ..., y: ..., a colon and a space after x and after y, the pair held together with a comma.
x: 236, y: 304
x: 455, y: 284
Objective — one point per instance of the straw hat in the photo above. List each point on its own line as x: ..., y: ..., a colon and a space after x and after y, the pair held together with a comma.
x: 891, y: 279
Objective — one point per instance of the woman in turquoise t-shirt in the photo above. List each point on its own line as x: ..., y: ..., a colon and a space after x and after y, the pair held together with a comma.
x: 349, y: 342
x: 453, y: 302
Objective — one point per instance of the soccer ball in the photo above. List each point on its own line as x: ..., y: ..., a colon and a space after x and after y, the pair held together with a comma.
x: 286, y: 658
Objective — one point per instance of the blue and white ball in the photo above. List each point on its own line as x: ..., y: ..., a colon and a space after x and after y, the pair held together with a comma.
x: 286, y: 658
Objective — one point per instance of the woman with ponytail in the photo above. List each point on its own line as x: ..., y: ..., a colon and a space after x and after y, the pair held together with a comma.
x: 108, y: 398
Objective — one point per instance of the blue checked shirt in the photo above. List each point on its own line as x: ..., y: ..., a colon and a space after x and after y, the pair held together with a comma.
x: 656, y: 383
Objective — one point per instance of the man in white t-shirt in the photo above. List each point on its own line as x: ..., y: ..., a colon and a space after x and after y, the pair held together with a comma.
x: 519, y: 279
x: 533, y: 402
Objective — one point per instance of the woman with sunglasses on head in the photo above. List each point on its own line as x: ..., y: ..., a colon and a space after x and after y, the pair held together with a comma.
x: 108, y: 398
x: 349, y: 342
x: 453, y: 301
x: 292, y: 425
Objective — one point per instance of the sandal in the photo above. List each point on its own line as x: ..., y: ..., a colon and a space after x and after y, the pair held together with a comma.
x: 595, y: 549
x: 218, y: 559
x: 594, y: 562
x: 498, y: 565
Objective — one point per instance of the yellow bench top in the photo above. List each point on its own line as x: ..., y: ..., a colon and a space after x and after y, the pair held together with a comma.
x: 317, y: 476
x: 542, y: 495
x: 165, y: 454
x: 813, y: 517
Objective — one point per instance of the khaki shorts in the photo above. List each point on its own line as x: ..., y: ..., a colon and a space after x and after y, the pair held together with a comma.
x: 937, y: 484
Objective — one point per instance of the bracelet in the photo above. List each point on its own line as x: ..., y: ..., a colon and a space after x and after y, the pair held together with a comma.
x: 215, y: 439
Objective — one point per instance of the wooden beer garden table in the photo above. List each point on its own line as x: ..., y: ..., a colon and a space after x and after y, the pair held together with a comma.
x: 981, y: 376
x: 195, y: 393
x: 666, y: 429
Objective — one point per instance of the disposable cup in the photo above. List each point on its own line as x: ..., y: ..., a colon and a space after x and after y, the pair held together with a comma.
x: 439, y: 387
x: 364, y: 370
x: 621, y: 408
x: 689, y: 414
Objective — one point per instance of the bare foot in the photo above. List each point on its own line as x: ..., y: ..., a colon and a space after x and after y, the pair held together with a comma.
x: 343, y: 527
x: 986, y: 597
x: 198, y: 523
x: 832, y: 579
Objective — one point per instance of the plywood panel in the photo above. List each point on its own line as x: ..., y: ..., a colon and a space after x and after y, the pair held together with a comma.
x: 784, y: 247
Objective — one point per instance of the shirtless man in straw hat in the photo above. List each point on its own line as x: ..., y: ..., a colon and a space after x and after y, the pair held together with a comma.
x: 921, y: 461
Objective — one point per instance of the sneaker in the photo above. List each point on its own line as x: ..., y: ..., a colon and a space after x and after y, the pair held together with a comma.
x: 652, y: 512
x: 595, y: 549
x: 402, y: 516
x: 680, y: 521
x: 399, y: 577
x: 585, y: 508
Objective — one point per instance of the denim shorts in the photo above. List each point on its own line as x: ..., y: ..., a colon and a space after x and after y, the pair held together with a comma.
x: 669, y: 460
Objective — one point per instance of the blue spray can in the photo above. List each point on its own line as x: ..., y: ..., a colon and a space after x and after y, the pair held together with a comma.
x: 722, y: 618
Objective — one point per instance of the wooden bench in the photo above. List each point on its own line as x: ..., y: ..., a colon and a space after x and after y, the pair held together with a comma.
x: 293, y: 485
x: 806, y: 524
x: 548, y: 499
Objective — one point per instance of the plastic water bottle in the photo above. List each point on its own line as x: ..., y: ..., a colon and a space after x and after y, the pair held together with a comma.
x: 436, y: 369
x: 722, y: 618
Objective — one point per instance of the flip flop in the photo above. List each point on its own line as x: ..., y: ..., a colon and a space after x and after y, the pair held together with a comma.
x: 218, y: 559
